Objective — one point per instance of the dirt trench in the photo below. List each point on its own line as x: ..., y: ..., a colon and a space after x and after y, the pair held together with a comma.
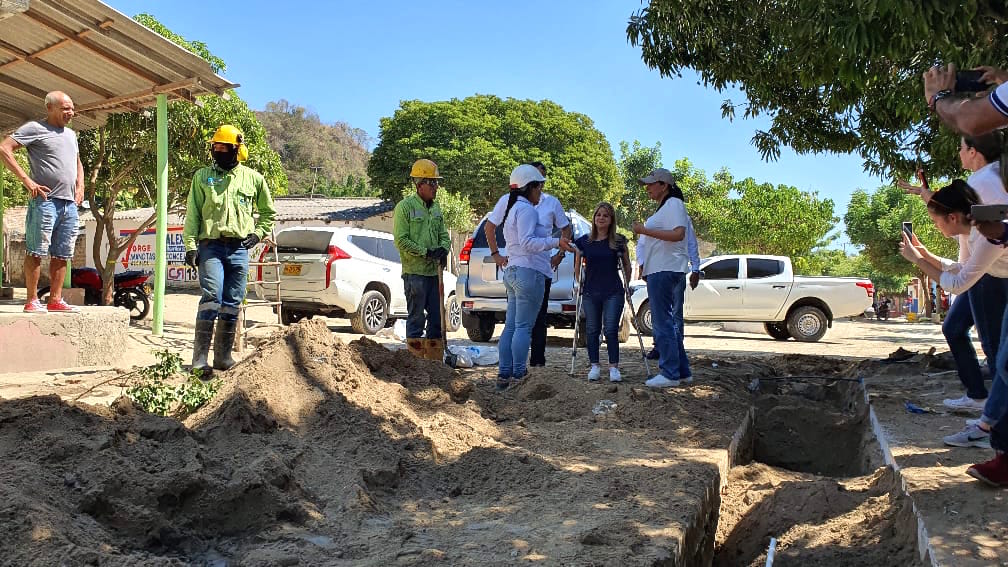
x: 812, y: 477
x: 316, y: 452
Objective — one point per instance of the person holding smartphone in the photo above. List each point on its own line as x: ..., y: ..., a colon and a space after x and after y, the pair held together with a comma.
x: 949, y: 208
x: 984, y: 302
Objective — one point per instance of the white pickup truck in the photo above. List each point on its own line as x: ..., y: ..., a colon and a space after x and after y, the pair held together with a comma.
x: 764, y: 289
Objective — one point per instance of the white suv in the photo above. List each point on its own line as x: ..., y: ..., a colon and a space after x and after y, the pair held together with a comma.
x: 344, y: 272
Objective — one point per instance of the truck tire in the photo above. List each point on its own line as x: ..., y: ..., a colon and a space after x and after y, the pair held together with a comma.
x: 371, y: 315
x: 807, y: 324
x: 644, y: 319
x: 483, y: 330
x: 777, y: 330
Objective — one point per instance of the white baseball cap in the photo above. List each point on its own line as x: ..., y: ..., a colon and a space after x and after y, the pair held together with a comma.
x: 660, y: 174
x: 525, y: 174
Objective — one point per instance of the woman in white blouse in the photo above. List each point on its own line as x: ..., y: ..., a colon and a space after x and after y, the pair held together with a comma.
x: 949, y: 209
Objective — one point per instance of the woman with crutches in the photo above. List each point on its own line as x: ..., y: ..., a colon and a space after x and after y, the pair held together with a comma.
x: 665, y: 265
x: 526, y: 271
x: 602, y: 251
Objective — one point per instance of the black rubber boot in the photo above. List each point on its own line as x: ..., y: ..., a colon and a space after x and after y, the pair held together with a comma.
x: 201, y: 347
x: 223, y: 343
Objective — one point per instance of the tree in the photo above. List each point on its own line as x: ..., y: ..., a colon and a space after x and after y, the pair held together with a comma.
x: 875, y: 222
x: 120, y: 157
x: 478, y: 140
x: 834, y: 77
x: 767, y: 219
x: 635, y: 162
x: 332, y: 158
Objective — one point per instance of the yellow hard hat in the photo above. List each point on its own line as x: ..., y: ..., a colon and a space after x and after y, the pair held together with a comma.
x: 425, y: 169
x: 228, y: 134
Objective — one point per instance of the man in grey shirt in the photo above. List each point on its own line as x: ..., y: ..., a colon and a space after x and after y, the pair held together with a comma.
x: 56, y: 185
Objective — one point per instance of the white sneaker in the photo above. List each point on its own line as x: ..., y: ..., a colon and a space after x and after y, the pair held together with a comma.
x: 972, y: 436
x: 614, y: 375
x: 593, y: 374
x: 660, y: 381
x: 964, y: 403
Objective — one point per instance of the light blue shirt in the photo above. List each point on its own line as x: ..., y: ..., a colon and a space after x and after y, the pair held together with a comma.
x: 527, y: 239
x: 692, y: 250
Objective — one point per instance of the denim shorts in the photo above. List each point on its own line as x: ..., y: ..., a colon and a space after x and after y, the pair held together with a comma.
x: 51, y: 228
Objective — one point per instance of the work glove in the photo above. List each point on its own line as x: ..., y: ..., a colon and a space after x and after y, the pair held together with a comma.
x: 437, y: 253
x: 191, y: 257
x: 250, y: 241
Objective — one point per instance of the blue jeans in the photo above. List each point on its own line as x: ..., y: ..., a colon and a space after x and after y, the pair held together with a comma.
x: 223, y: 274
x: 51, y: 228
x: 666, y: 292
x: 956, y: 329
x: 988, y: 302
x: 423, y: 306
x: 525, y: 288
x: 602, y: 314
x: 997, y: 402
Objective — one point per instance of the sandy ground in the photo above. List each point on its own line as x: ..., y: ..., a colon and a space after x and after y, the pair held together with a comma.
x: 532, y: 474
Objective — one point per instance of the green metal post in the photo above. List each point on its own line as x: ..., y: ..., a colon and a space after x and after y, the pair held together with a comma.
x: 161, y: 245
x: 2, y: 240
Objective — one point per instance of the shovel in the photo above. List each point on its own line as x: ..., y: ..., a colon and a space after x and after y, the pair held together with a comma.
x: 450, y: 358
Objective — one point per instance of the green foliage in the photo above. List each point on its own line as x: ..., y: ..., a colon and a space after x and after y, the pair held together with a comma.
x: 746, y: 217
x: 767, y: 219
x: 455, y: 209
x: 875, y: 222
x: 196, y: 47
x: 634, y: 163
x: 328, y: 159
x: 833, y: 262
x: 14, y: 193
x: 194, y: 393
x: 836, y: 77
x: 477, y: 141
x: 152, y: 390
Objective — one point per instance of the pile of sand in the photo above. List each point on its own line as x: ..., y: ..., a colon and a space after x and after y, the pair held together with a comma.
x: 300, y: 434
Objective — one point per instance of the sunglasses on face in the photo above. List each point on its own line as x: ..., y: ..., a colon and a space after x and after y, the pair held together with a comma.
x: 431, y: 182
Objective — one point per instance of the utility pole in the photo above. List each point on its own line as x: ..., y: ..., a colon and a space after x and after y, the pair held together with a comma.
x: 315, y: 169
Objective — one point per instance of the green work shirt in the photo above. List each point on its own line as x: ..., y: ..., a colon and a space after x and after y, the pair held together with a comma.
x: 417, y: 230
x: 220, y: 204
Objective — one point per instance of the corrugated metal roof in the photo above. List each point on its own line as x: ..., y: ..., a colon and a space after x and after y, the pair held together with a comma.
x: 102, y: 58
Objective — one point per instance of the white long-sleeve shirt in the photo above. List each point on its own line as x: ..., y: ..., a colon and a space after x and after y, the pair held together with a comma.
x: 981, y: 257
x: 527, y: 239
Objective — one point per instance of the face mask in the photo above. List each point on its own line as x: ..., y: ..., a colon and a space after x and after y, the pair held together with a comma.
x: 226, y: 160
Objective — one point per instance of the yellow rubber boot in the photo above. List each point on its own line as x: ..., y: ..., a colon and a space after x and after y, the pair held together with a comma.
x: 435, y: 350
x: 417, y: 347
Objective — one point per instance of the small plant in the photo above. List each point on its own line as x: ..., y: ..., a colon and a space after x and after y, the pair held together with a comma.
x: 195, y: 392
x: 152, y: 390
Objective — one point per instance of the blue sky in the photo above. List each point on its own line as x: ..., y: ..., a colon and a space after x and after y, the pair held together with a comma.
x: 354, y: 62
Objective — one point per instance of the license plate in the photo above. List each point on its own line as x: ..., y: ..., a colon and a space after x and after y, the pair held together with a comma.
x: 292, y: 270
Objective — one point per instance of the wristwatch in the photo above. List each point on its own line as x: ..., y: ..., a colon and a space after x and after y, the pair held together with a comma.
x: 944, y: 93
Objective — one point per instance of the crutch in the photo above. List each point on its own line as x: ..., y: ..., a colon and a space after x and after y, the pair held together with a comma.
x: 579, y: 281
x: 633, y: 314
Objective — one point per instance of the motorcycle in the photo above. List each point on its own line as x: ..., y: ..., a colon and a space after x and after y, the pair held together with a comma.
x: 131, y: 290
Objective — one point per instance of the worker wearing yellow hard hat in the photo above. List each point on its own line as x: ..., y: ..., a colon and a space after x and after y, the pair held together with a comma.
x: 219, y: 231
x: 423, y: 243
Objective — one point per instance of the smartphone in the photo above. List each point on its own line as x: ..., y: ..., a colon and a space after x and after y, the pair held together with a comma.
x: 908, y: 228
x: 969, y: 82
x: 981, y: 213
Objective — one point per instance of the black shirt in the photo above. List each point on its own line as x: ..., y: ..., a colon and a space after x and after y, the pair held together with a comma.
x: 601, y: 272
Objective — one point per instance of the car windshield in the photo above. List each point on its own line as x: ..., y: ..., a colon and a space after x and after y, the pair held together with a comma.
x: 480, y: 241
x: 304, y: 241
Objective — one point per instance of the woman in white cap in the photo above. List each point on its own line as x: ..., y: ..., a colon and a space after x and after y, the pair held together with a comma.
x: 526, y: 271
x: 665, y: 262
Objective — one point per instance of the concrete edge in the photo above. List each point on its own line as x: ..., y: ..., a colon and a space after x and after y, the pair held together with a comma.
x: 924, y: 549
